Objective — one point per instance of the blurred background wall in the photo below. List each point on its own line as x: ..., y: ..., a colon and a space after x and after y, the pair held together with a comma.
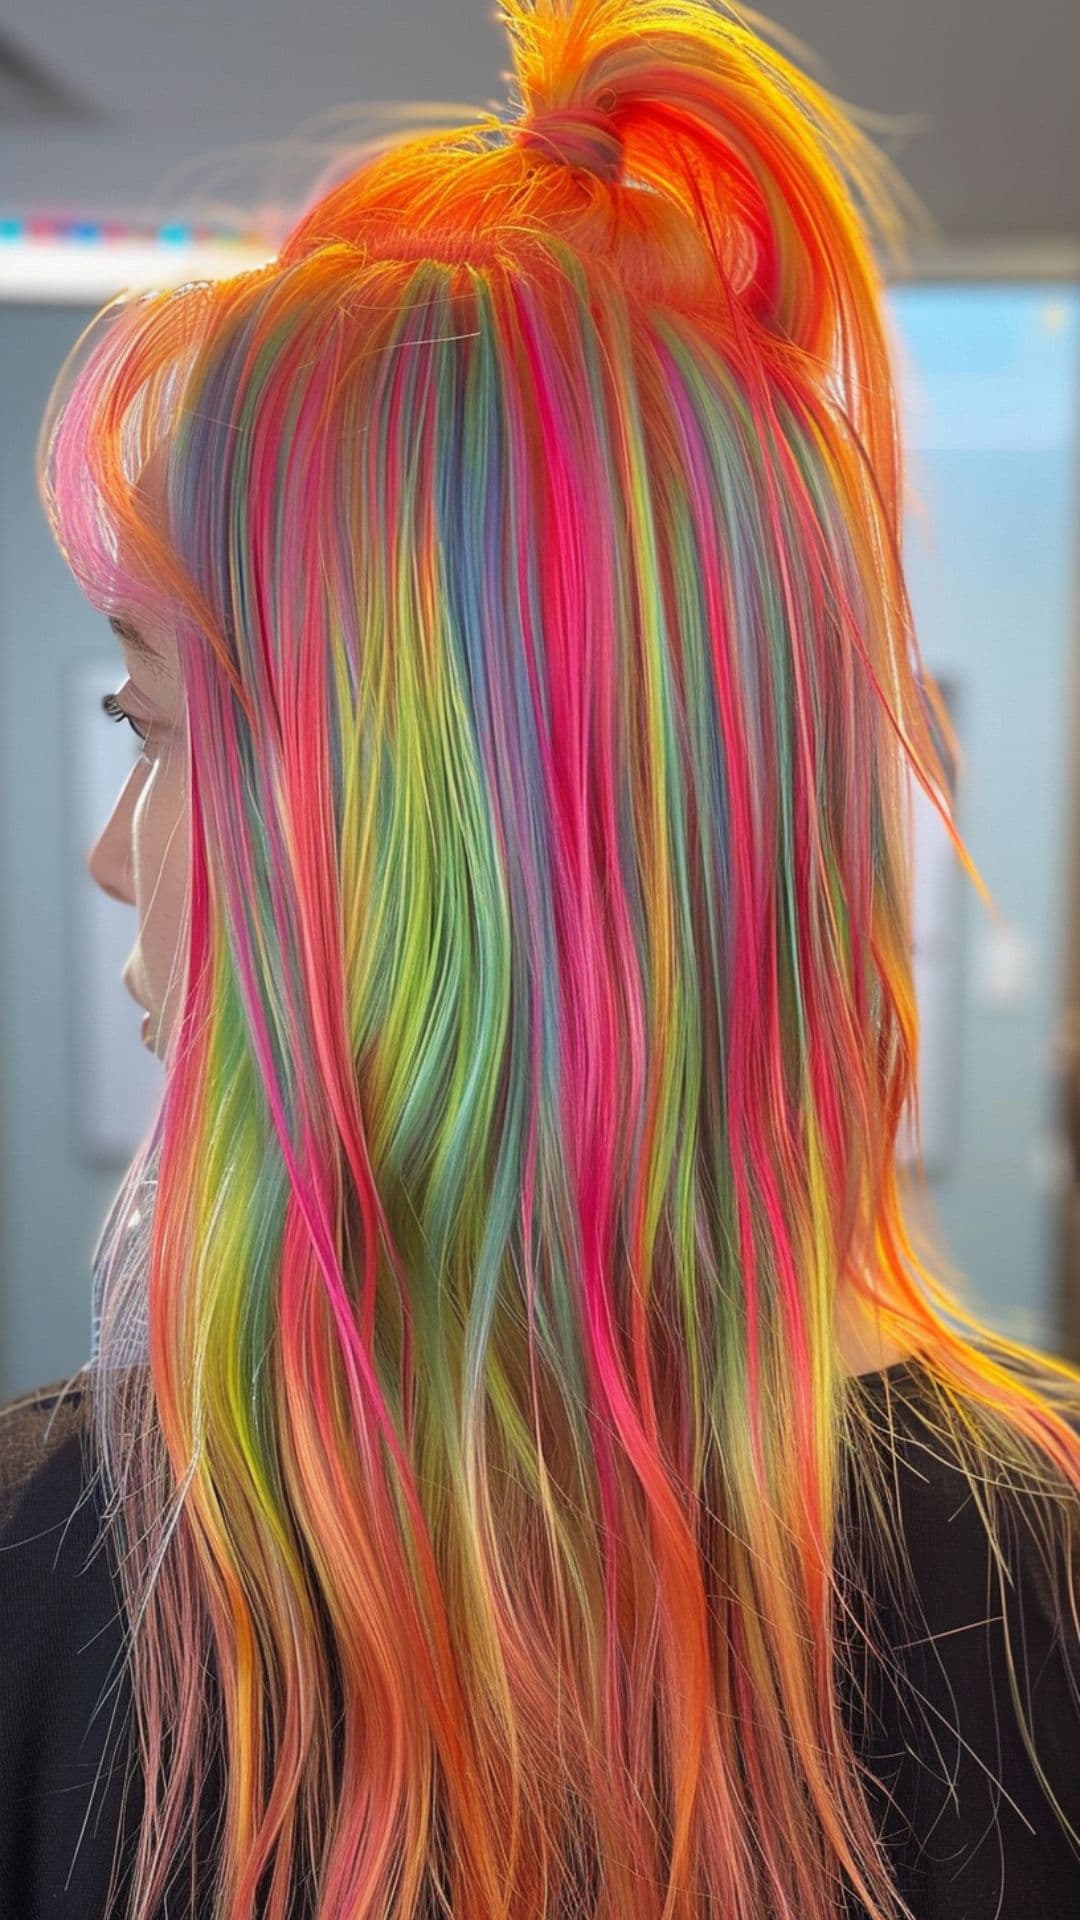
x: 133, y: 147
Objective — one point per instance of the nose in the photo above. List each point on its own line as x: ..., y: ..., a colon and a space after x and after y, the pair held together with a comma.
x: 118, y: 888
x: 109, y: 860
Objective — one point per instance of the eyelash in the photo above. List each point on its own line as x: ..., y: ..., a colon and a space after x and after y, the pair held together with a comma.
x: 111, y: 706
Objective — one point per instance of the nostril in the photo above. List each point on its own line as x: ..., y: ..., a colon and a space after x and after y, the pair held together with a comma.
x: 106, y: 886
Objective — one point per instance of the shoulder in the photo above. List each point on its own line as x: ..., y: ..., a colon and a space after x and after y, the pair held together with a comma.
x: 63, y: 1696
x: 961, y: 1536
x: 981, y: 1649
x: 43, y: 1440
x: 50, y: 1530
x: 933, y: 1471
x: 53, y: 1571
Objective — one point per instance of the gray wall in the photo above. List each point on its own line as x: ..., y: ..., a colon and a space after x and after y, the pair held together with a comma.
x: 51, y: 1202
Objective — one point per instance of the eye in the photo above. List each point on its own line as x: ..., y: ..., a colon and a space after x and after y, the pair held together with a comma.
x: 111, y: 705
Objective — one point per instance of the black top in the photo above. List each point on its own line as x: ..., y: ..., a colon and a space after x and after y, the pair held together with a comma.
x: 63, y: 1714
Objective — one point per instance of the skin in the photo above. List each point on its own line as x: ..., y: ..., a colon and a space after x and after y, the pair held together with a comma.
x: 141, y: 858
x: 141, y: 854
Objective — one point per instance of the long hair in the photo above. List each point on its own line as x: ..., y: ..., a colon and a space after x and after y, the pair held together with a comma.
x: 530, y: 529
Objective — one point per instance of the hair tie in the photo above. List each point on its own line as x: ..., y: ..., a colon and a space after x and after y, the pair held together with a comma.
x: 575, y: 137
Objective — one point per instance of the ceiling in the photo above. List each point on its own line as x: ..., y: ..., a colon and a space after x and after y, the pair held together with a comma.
x: 144, y: 109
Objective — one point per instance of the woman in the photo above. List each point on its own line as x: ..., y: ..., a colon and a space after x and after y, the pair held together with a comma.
x: 524, y: 1468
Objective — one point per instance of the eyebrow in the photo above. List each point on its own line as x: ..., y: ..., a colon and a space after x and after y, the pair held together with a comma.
x: 134, y: 639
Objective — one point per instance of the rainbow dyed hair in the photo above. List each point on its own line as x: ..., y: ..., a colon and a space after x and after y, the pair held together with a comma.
x: 530, y: 530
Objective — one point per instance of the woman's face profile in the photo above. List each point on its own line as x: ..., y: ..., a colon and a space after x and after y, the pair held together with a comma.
x: 141, y: 854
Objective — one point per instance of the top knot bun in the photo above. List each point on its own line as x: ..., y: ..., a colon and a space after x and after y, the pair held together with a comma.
x: 577, y: 136
x: 688, y: 102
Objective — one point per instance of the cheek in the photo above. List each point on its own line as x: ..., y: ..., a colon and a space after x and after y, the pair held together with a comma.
x: 159, y: 842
